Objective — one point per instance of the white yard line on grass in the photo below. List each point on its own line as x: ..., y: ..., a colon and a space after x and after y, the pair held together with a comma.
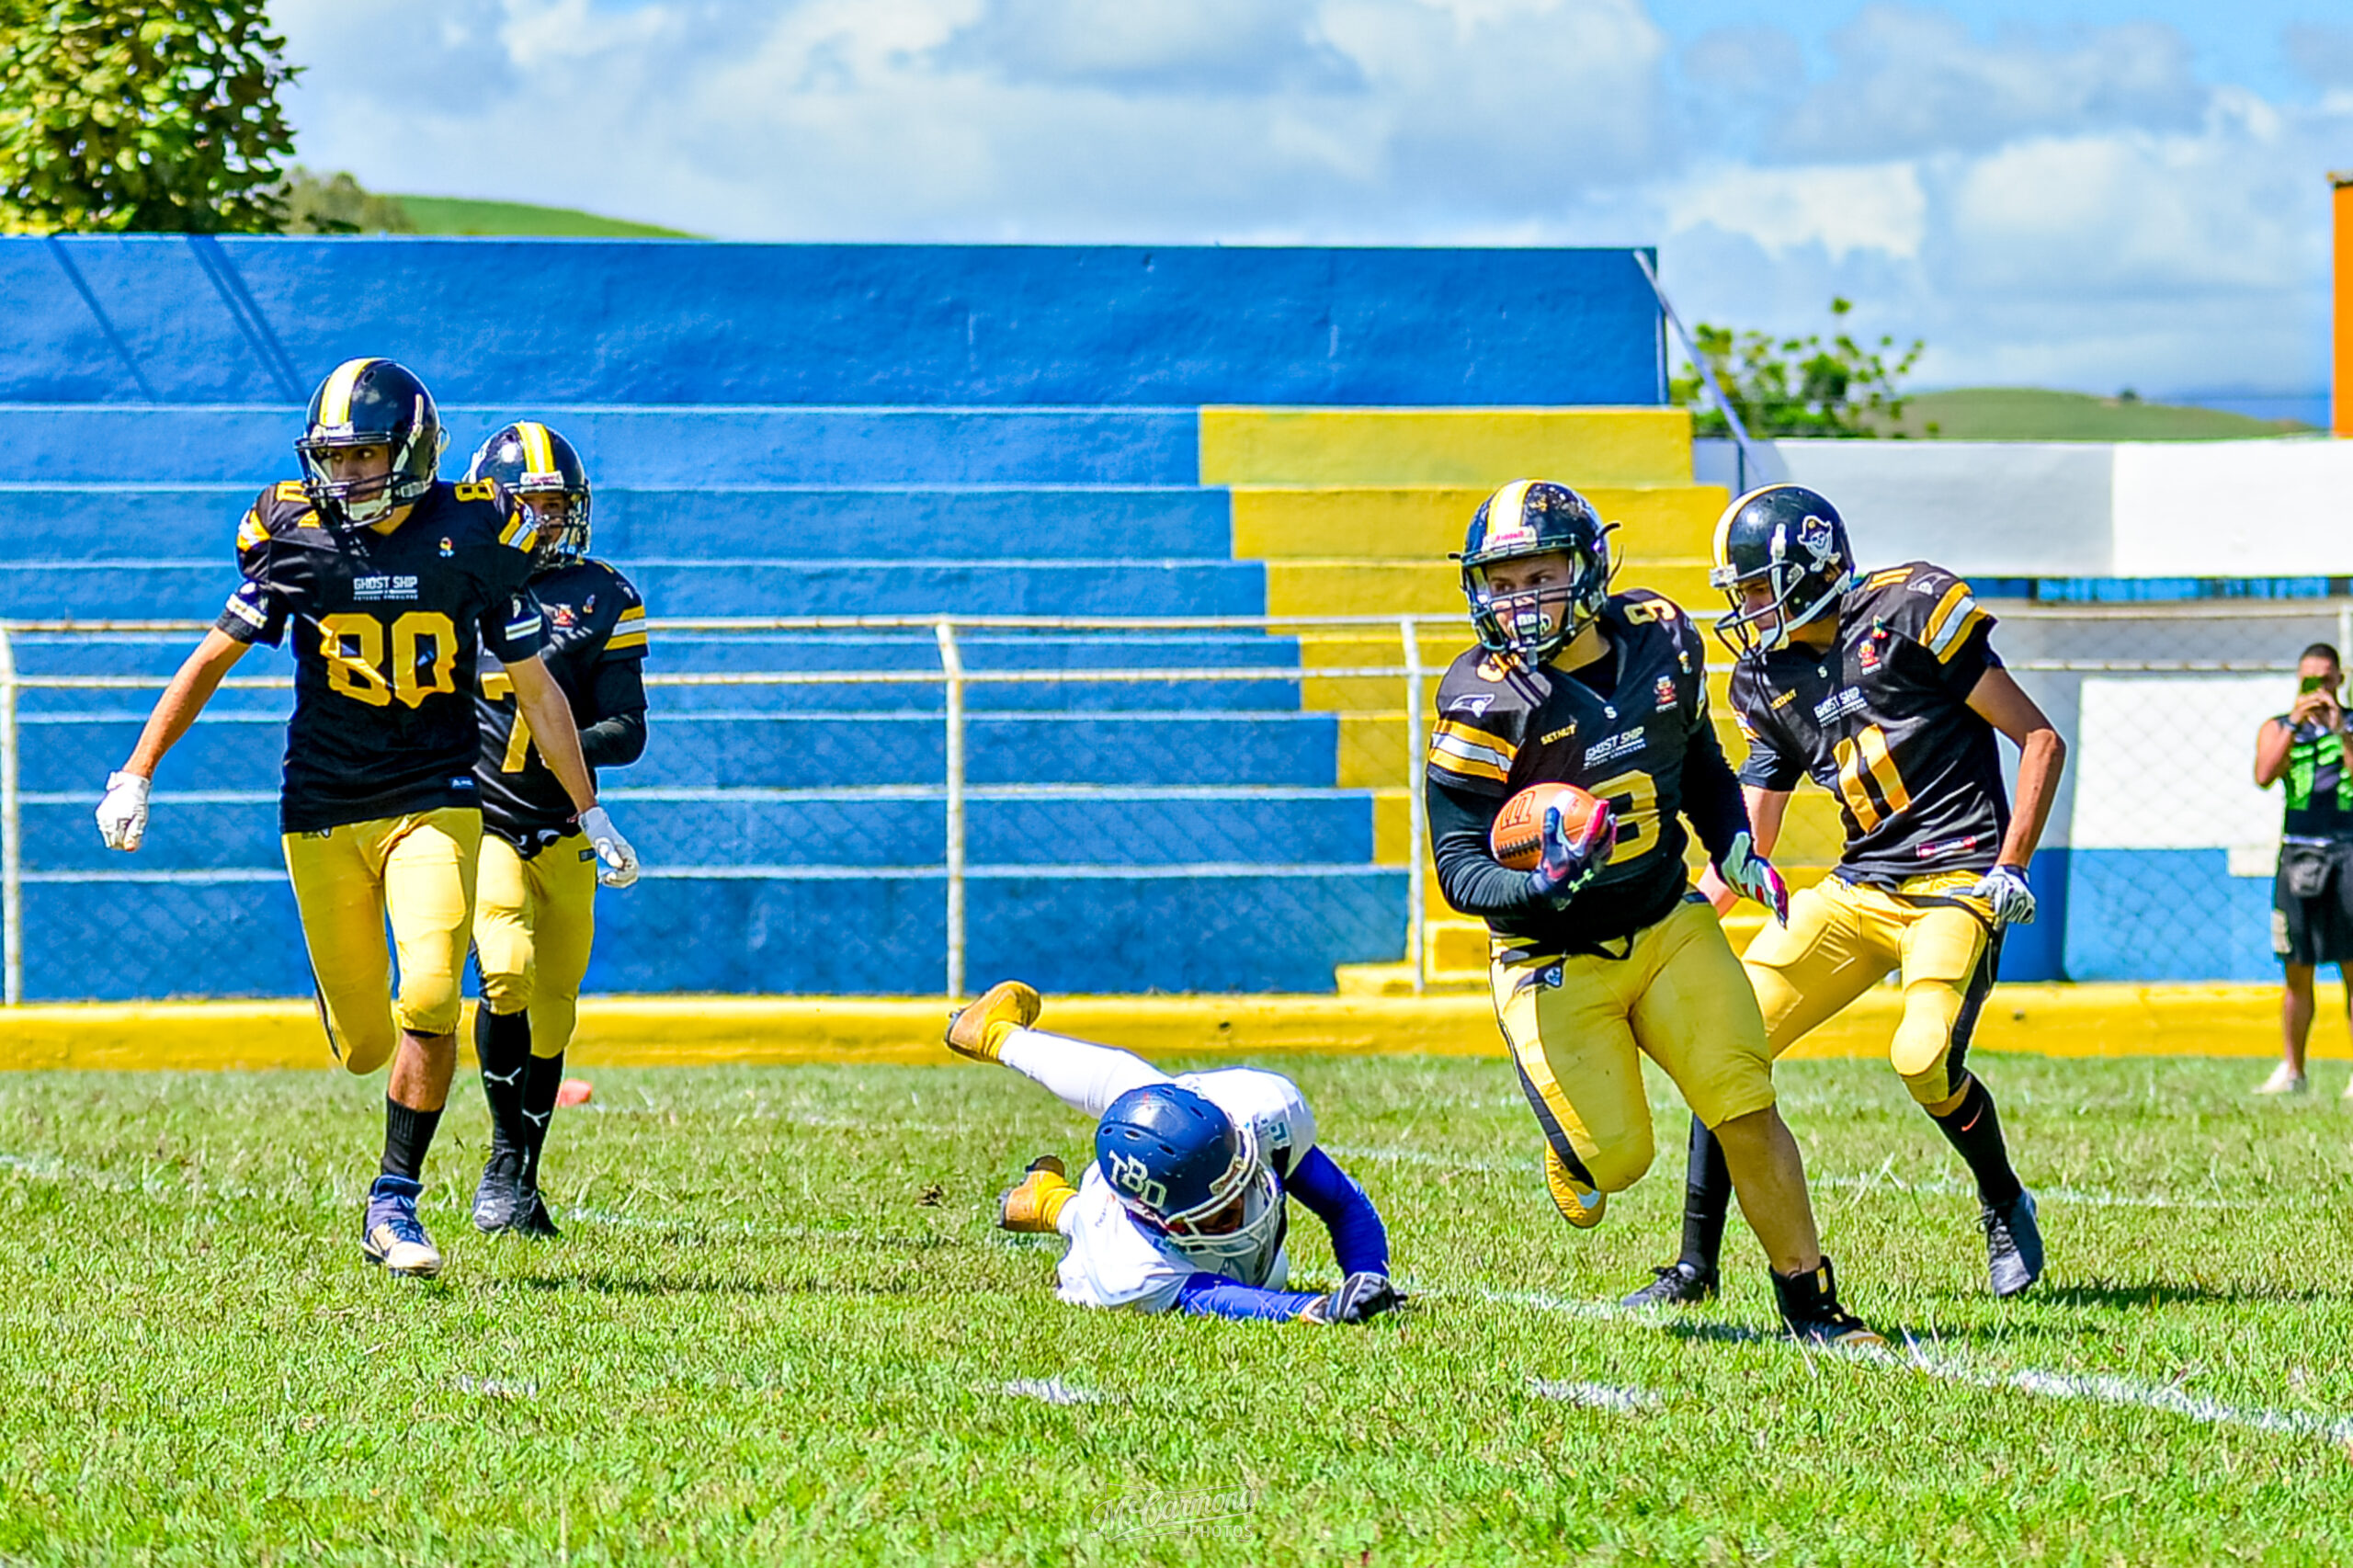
x: 1049, y: 1391
x: 2103, y: 1389
x: 1596, y: 1396
x: 2096, y: 1387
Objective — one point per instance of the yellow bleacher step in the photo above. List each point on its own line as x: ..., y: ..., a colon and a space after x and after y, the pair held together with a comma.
x: 1345, y: 586
x: 1475, y: 448
x: 1425, y: 523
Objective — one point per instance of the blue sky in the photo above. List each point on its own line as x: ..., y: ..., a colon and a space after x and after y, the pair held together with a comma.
x: 2081, y: 193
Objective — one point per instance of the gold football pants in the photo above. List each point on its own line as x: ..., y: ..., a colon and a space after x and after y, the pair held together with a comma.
x: 418, y: 871
x: 1577, y: 1026
x: 533, y: 922
x: 1842, y: 939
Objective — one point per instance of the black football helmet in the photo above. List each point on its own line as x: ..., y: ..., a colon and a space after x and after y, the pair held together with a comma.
x: 1792, y: 540
x: 530, y: 460
x: 370, y: 402
x: 1535, y: 516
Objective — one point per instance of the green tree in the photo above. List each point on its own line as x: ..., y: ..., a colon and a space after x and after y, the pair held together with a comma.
x: 1798, y: 386
x: 141, y: 116
x: 339, y: 204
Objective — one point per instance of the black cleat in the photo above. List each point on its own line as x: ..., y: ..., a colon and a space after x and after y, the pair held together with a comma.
x: 1677, y: 1284
x: 1809, y: 1307
x: 2013, y: 1245
x: 499, y: 1201
x: 535, y: 1221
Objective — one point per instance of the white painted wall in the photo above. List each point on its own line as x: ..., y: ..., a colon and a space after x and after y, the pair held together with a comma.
x: 2080, y: 509
x: 2233, y: 508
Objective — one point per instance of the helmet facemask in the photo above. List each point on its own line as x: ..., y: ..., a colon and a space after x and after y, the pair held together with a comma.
x: 1755, y: 626
x: 561, y: 515
x: 1534, y: 623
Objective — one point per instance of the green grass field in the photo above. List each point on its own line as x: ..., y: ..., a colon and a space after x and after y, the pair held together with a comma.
x: 2028, y: 413
x: 456, y: 215
x: 781, y: 1329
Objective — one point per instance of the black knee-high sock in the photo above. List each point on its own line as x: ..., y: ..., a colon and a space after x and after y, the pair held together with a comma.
x: 1974, y: 1129
x: 502, y: 1043
x: 1707, y: 1198
x: 544, y: 1076
x: 408, y: 1133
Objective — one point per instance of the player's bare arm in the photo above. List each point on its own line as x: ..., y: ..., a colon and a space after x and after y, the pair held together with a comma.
x: 2002, y: 703
x: 122, y: 813
x: 1768, y: 810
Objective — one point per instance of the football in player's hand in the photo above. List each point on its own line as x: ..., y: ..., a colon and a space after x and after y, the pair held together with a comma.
x: 1517, y: 839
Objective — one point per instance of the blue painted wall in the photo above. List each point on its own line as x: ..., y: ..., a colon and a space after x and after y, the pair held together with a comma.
x: 168, y: 319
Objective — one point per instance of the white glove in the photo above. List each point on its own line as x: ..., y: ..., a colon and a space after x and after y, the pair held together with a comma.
x: 619, y: 861
x: 122, y: 814
x: 1752, y: 876
x: 2005, y: 888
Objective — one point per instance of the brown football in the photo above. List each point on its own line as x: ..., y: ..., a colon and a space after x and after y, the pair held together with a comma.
x: 1517, y: 837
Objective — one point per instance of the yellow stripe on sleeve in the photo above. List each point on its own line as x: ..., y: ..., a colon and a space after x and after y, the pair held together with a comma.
x: 1473, y: 753
x: 625, y: 639
x: 1957, y: 634
x: 634, y: 612
x: 251, y: 532
x: 1942, y: 625
x: 1888, y: 579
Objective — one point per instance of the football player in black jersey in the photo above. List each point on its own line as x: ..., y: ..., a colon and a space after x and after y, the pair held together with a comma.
x: 1604, y: 953
x: 389, y: 580
x: 1886, y: 690
x: 535, y: 910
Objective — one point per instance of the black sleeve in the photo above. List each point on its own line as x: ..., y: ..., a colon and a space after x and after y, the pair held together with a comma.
x: 1712, y: 797
x: 1471, y: 877
x: 616, y: 735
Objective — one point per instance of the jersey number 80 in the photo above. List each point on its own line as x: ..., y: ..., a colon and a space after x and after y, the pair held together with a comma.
x: 424, y: 661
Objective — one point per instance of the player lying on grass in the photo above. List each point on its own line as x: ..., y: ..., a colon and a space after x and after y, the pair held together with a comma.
x: 1603, y: 953
x: 1184, y: 1208
x: 1884, y: 689
x: 388, y: 580
x: 535, y: 910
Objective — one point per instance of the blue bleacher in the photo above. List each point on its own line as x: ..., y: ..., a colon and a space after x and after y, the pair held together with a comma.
x: 120, y: 514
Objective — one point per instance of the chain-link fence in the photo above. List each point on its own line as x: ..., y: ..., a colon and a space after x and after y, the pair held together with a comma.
x: 2165, y: 847
x: 825, y: 806
x: 908, y: 806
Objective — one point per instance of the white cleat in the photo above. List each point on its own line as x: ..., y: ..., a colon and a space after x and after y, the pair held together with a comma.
x: 2286, y: 1080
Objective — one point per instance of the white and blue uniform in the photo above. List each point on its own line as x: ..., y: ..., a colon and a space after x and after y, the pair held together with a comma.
x: 1114, y: 1261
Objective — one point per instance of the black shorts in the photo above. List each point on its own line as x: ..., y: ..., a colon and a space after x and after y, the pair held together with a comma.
x: 2313, y: 928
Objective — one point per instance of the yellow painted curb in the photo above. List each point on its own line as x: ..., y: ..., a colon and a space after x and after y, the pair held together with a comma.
x: 673, y: 1032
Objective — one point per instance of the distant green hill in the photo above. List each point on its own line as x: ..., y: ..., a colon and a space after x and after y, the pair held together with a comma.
x: 2024, y: 414
x: 455, y: 215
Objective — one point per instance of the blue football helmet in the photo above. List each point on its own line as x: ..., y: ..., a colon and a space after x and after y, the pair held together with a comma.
x: 1185, y: 1170
x: 1791, y: 541
x: 1535, y: 516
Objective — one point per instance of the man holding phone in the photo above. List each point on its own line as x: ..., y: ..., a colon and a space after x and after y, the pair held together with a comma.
x: 2311, y: 898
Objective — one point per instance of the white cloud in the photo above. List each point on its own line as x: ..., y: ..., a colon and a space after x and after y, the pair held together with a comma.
x: 1840, y: 208
x: 1916, y: 81
x: 2070, y: 207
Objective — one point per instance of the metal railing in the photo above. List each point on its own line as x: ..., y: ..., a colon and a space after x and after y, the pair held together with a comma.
x: 953, y: 676
x: 2214, y: 664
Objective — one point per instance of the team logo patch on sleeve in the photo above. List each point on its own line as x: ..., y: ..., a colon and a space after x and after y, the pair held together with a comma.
x: 1665, y: 689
